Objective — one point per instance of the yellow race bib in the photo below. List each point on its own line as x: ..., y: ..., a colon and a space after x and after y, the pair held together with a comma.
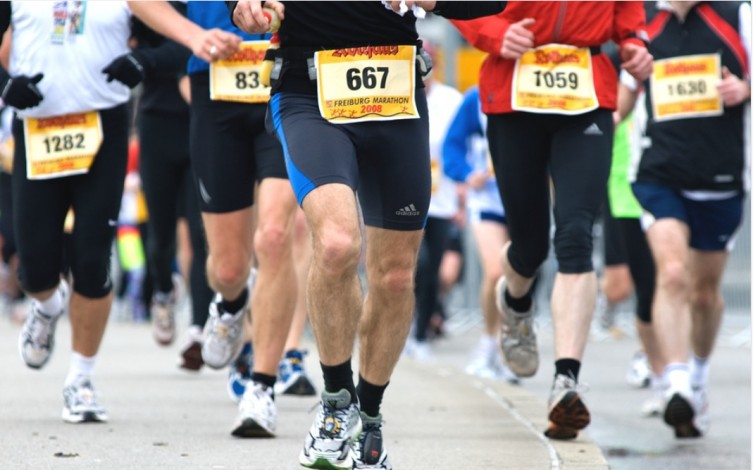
x: 554, y: 79
x: 685, y: 87
x: 436, y: 176
x: 373, y: 83
x: 237, y: 78
x: 61, y: 145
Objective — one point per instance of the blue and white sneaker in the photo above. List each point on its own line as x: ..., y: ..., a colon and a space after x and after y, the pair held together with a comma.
x: 291, y: 376
x: 239, y: 374
x: 368, y: 447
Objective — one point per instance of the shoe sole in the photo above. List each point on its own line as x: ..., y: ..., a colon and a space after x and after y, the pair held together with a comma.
x: 87, y: 417
x: 568, y: 416
x: 250, y: 428
x: 301, y: 387
x: 191, y: 360
x: 323, y: 464
x: 679, y: 414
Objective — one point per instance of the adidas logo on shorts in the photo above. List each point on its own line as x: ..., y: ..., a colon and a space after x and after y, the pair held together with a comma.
x: 409, y: 210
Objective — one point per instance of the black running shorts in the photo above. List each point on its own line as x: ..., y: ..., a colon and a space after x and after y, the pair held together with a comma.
x: 386, y: 162
x: 230, y: 149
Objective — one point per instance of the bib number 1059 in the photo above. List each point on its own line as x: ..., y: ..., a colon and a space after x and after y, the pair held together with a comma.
x: 559, y: 80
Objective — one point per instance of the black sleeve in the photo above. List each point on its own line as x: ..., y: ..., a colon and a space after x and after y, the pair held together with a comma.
x: 165, y: 59
x: 231, y: 9
x: 5, y: 17
x: 462, y: 10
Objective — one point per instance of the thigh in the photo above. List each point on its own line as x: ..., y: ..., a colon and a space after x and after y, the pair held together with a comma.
x: 316, y: 152
x: 222, y: 150
x: 39, y: 208
x: 395, y: 170
x: 96, y: 203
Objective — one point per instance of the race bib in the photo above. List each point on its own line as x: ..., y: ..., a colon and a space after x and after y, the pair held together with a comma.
x: 554, y: 79
x: 685, y: 87
x: 237, y: 78
x: 373, y: 83
x: 61, y: 145
x: 436, y: 176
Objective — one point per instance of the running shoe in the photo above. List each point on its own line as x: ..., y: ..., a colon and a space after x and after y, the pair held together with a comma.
x: 291, y: 376
x: 567, y: 412
x: 162, y: 313
x: 80, y: 403
x: 257, y: 412
x: 487, y: 363
x: 190, y: 356
x: 368, y: 447
x: 328, y: 443
x: 518, y: 336
x: 702, y: 421
x: 639, y: 373
x: 239, y: 373
x: 223, y: 335
x: 680, y: 413
x: 37, y: 338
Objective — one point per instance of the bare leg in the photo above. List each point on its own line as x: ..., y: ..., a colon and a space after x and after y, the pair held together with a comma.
x: 388, y: 310
x: 490, y: 238
x: 302, y: 258
x: 706, y: 302
x: 573, y: 302
x: 88, y: 322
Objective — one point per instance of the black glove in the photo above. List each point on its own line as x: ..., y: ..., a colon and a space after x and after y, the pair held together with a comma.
x: 127, y: 69
x: 21, y: 92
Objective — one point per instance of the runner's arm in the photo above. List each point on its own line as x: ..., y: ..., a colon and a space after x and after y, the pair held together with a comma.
x: 455, y: 147
x: 467, y: 10
x: 485, y: 34
x: 169, y: 58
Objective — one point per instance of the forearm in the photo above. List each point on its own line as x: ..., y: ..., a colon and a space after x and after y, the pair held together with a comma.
x: 164, y: 19
x: 464, y: 10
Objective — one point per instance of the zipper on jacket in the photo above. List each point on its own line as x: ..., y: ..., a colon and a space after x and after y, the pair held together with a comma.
x: 560, y: 21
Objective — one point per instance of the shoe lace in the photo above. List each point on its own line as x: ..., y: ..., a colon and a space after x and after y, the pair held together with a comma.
x: 332, y: 421
x: 83, y: 394
x: 39, y: 329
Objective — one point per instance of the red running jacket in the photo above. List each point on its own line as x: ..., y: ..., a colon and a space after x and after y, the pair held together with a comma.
x: 576, y: 23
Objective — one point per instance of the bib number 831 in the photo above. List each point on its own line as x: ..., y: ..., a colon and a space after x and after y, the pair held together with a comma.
x: 245, y: 80
x: 367, y: 78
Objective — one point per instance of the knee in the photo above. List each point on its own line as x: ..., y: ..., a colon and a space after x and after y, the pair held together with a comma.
x: 672, y: 277
x: 573, y: 245
x: 337, y: 251
x: 272, y: 242
x: 394, y: 280
x: 229, y: 271
x: 705, y: 300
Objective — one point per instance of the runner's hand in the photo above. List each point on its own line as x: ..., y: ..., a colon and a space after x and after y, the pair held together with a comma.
x: 127, y: 69
x: 409, y: 4
x: 248, y: 15
x: 637, y: 61
x: 733, y: 89
x: 215, y: 44
x: 21, y: 92
x: 518, y: 39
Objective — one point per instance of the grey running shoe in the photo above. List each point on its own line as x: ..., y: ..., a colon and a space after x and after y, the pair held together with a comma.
x: 518, y: 336
x: 37, y: 338
x: 80, y: 403
x: 223, y: 336
x: 163, y: 320
x: 257, y: 412
x: 368, y: 447
x: 328, y: 443
x: 639, y: 373
x: 567, y: 412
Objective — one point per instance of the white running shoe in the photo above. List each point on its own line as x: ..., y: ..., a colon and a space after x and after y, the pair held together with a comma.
x: 257, y: 412
x: 223, y: 335
x: 328, y: 443
x: 80, y: 403
x: 518, y: 336
x: 37, y: 338
x: 487, y: 363
x: 639, y: 373
x: 680, y: 413
x: 163, y: 319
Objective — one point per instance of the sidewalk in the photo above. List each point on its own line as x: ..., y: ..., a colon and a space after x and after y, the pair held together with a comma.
x: 436, y: 417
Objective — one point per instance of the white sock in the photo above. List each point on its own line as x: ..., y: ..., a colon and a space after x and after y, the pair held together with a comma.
x: 657, y: 383
x: 81, y: 366
x: 677, y: 377
x: 53, y: 305
x: 488, y: 342
x: 699, y: 371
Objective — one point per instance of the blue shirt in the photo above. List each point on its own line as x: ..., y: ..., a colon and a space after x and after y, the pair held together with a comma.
x: 210, y: 15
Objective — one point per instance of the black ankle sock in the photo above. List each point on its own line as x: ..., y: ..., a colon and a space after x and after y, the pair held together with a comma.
x: 234, y: 306
x: 519, y: 304
x: 370, y: 396
x: 268, y: 380
x: 339, y: 377
x: 567, y: 367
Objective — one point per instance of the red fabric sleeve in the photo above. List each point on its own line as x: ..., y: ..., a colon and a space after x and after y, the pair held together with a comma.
x: 629, y: 24
x: 484, y: 33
